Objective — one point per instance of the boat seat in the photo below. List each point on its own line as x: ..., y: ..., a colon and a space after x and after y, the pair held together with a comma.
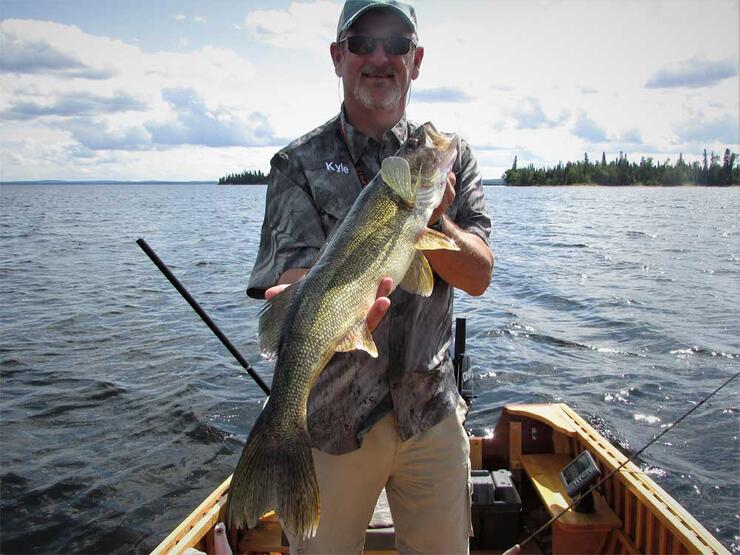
x: 574, y: 532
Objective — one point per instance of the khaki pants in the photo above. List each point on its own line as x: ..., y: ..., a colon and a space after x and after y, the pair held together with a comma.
x: 426, y: 480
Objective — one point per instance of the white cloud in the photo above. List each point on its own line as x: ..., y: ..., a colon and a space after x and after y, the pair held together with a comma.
x: 724, y: 130
x: 196, y: 124
x: 127, y: 110
x: 442, y: 94
x: 693, y: 73
x: 73, y: 104
x: 303, y: 25
x: 95, y: 134
x: 588, y: 130
x: 32, y: 53
x: 579, y: 78
x: 631, y: 136
x: 180, y: 18
x: 530, y: 115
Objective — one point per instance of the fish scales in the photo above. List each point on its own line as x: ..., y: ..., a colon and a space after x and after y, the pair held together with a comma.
x: 382, y: 235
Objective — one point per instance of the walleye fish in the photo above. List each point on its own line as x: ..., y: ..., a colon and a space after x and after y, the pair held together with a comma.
x: 383, y: 234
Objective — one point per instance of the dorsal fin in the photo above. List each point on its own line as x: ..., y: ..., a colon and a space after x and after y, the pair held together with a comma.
x: 396, y: 173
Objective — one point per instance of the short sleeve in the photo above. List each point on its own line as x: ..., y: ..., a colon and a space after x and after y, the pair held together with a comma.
x: 291, y: 235
x: 472, y: 214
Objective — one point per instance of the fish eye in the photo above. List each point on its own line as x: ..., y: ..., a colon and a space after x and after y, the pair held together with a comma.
x: 414, y: 142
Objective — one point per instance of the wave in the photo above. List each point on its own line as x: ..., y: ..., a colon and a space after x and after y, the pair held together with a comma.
x: 524, y: 331
x: 640, y: 234
x: 703, y: 351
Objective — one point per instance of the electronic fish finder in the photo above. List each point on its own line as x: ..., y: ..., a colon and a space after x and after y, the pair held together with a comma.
x: 578, y: 476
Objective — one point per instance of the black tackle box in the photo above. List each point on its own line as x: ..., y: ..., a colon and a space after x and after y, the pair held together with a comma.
x: 496, y: 510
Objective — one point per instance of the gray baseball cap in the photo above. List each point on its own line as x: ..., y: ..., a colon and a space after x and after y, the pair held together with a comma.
x: 353, y: 9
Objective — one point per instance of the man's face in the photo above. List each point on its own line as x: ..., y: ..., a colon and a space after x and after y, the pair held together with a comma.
x: 377, y: 81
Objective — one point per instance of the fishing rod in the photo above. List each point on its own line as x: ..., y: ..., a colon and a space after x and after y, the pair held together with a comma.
x: 202, y: 313
x: 517, y: 549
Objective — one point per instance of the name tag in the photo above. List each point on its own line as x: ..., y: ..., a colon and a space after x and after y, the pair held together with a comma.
x: 337, y: 168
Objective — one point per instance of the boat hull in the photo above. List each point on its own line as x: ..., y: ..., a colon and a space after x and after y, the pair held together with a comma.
x: 633, y: 514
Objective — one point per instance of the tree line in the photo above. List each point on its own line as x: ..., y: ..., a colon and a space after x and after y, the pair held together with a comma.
x: 712, y: 171
x: 245, y: 178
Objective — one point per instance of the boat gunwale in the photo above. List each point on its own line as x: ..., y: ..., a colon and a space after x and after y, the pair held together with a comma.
x: 681, y: 523
x: 178, y: 538
x: 684, y: 527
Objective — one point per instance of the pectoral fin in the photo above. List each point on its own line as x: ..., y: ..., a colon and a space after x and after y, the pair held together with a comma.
x: 396, y: 173
x: 419, y: 278
x: 272, y: 316
x: 431, y: 240
x: 359, y: 338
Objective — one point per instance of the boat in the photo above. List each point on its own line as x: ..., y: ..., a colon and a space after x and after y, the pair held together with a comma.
x: 531, y: 444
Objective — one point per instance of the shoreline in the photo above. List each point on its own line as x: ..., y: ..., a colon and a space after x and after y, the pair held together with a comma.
x: 486, y: 183
x: 106, y: 182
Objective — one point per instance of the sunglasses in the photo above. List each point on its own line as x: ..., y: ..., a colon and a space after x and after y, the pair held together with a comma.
x: 393, y: 46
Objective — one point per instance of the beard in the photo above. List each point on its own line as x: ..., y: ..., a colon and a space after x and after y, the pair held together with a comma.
x: 385, y: 98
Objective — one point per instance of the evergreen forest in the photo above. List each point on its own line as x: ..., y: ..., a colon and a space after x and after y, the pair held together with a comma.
x: 244, y: 178
x: 713, y: 171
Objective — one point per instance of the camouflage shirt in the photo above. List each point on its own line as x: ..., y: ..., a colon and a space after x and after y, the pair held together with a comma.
x: 313, y: 183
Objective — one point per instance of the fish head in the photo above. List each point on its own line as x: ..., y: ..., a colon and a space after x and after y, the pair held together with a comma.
x: 430, y: 155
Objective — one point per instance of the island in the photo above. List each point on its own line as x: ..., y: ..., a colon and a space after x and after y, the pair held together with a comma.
x: 623, y: 172
x: 249, y: 177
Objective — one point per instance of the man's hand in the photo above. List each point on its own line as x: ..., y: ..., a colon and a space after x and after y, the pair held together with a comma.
x: 447, y: 199
x: 470, y: 267
x: 376, y: 312
x: 381, y: 305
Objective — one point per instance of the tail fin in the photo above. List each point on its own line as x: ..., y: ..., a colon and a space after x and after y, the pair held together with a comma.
x: 276, y: 472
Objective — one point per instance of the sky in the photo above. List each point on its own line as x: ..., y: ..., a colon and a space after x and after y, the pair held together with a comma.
x: 186, y: 90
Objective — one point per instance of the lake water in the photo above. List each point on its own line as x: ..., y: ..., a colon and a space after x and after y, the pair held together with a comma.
x: 121, y: 411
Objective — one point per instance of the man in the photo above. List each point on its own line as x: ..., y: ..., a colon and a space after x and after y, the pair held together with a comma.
x: 394, y: 421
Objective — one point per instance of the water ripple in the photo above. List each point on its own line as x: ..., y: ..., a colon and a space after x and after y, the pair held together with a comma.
x: 121, y: 412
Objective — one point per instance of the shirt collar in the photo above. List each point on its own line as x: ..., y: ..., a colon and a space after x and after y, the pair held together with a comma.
x: 357, y: 141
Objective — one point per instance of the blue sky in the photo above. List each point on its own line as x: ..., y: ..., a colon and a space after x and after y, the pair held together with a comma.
x: 194, y: 90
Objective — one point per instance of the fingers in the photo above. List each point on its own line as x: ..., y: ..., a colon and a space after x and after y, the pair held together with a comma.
x: 381, y: 304
x: 287, y: 278
x: 377, y: 311
x: 385, y: 288
x: 273, y: 291
x: 449, y: 190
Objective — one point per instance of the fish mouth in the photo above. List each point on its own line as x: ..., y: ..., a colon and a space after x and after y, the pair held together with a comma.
x: 439, y: 141
x: 430, y: 155
x: 444, y: 144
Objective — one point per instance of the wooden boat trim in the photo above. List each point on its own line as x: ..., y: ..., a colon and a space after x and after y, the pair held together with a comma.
x: 647, y: 495
x: 548, y: 414
x: 633, y: 496
x: 190, y: 531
